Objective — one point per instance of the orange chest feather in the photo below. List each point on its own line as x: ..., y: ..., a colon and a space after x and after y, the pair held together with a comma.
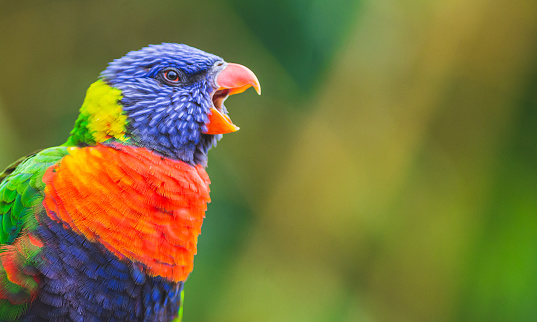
x: 137, y: 204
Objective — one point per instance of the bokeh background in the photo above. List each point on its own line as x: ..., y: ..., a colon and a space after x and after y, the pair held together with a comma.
x: 387, y: 173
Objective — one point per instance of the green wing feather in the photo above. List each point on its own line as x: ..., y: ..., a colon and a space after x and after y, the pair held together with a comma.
x: 9, y: 170
x: 21, y: 190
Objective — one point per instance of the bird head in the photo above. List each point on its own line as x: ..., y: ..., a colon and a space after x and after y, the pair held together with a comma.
x: 168, y: 98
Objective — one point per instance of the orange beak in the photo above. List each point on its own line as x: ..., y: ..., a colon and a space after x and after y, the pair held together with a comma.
x: 233, y: 79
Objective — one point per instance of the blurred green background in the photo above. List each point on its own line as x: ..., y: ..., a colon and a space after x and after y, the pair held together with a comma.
x: 387, y: 173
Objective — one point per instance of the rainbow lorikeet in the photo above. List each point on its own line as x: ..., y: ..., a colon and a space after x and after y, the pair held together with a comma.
x: 105, y: 226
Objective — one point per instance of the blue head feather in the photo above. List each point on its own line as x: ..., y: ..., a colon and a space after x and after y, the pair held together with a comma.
x: 163, y: 117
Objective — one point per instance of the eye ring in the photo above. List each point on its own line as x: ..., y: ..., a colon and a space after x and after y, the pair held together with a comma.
x: 172, y: 76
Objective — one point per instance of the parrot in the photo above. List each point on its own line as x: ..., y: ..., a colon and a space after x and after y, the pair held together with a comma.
x: 105, y: 226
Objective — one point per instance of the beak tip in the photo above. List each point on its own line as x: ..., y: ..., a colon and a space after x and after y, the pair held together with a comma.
x: 238, y: 78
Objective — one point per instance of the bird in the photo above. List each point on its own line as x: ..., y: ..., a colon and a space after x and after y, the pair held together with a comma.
x: 105, y: 226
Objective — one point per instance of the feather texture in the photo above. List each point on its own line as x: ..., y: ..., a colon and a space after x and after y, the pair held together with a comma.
x: 136, y: 203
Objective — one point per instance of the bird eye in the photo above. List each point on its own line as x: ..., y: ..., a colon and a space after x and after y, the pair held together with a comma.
x: 171, y: 76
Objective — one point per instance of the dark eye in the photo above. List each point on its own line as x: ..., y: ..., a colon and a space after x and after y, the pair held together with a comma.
x: 171, y: 75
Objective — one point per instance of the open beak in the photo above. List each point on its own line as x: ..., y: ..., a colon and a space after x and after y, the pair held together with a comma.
x: 233, y: 79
